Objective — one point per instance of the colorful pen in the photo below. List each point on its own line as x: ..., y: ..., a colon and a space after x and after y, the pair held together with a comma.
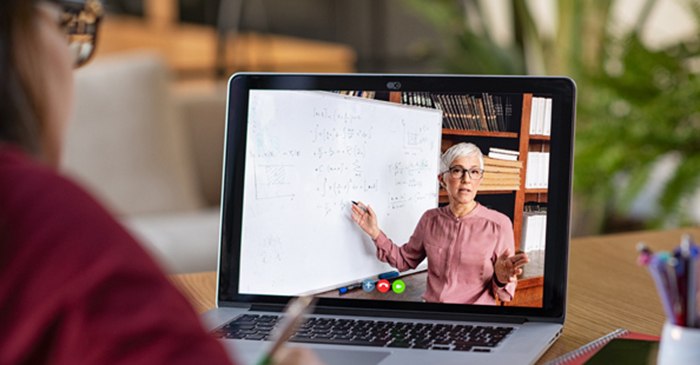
x: 676, y: 278
x: 692, y: 281
x: 657, y: 268
x: 644, y: 254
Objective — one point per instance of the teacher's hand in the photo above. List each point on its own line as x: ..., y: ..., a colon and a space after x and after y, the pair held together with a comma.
x: 508, y: 266
x: 366, y: 219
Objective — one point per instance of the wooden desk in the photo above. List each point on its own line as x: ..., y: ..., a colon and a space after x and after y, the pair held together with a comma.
x: 607, y: 290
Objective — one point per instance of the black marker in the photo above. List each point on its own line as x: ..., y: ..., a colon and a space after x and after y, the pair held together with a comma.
x: 346, y: 289
x: 361, y: 207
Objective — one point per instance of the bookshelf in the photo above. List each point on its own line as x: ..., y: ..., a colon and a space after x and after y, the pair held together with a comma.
x: 520, y: 140
x: 492, y: 121
x: 516, y: 136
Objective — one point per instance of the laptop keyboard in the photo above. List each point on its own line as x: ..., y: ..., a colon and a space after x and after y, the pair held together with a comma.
x: 331, y: 331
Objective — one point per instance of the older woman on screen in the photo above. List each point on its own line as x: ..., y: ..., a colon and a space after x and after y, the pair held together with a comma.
x: 469, y: 247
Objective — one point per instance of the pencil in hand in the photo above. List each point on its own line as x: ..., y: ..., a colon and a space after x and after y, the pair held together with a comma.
x: 289, y: 324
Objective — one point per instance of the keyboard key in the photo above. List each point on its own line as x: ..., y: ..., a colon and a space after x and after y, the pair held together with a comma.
x: 462, y: 348
x: 257, y: 337
x: 400, y: 344
x: 339, y: 342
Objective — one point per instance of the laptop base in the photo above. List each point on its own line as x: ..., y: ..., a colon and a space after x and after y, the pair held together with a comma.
x: 527, y: 343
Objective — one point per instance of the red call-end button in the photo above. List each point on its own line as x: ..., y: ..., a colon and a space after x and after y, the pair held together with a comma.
x: 383, y: 286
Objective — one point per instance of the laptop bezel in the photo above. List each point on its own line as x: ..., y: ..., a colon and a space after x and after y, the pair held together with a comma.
x: 563, y: 91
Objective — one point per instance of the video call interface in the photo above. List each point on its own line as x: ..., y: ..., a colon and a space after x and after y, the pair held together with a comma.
x: 311, y: 156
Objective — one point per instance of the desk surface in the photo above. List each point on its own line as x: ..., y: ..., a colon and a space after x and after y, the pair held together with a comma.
x: 607, y: 290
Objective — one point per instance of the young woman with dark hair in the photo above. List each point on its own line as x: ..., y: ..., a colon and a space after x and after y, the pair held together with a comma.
x: 75, y: 287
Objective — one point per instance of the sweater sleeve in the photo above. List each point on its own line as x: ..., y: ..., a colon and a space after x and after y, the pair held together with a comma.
x: 76, y: 288
x: 405, y: 257
x: 505, y: 242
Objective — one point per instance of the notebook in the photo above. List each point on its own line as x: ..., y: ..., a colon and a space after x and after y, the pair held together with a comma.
x: 642, y: 345
x: 301, y: 148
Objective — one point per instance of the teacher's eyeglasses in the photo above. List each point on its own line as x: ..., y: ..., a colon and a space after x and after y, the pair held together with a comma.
x: 458, y: 173
x: 79, y: 20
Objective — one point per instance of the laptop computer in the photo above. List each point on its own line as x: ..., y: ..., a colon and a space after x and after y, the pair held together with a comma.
x: 302, y: 149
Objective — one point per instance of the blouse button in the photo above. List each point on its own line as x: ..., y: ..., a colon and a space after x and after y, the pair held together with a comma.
x: 457, y: 219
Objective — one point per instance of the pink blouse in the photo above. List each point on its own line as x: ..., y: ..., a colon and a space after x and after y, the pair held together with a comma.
x: 461, y: 253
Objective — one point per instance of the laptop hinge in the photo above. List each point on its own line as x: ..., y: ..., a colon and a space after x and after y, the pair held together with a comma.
x: 398, y: 314
x: 267, y: 308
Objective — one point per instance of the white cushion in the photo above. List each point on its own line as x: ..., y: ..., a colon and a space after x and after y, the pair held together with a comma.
x: 126, y: 142
x: 180, y: 242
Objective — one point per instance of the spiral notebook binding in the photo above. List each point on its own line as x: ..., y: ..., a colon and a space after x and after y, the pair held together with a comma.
x: 588, y: 348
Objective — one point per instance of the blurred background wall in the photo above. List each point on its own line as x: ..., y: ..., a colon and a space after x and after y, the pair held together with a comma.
x: 635, y: 62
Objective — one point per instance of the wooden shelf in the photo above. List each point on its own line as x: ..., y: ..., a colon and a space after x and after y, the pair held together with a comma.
x: 536, y: 191
x: 537, y: 137
x: 191, y: 49
x: 460, y: 132
x: 482, y: 192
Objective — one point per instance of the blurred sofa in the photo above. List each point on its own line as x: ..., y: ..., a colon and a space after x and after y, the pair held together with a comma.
x: 151, y: 151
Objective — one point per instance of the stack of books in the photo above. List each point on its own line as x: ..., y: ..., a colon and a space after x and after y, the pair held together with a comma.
x: 537, y: 175
x: 418, y: 98
x: 501, y: 171
x: 541, y: 116
x: 534, y: 227
x: 503, y: 154
x: 358, y: 93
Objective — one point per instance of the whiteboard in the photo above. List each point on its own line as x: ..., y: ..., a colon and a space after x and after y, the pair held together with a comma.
x: 308, y: 155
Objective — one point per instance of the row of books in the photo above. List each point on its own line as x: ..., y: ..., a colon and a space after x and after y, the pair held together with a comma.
x: 501, y: 173
x: 358, y: 93
x: 537, y: 174
x: 490, y: 113
x: 541, y: 116
x: 534, y: 227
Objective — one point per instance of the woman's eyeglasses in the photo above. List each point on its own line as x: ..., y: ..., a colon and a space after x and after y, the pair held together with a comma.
x: 458, y: 173
x: 79, y: 20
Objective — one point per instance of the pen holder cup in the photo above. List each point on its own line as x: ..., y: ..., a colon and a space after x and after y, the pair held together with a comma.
x: 679, y: 345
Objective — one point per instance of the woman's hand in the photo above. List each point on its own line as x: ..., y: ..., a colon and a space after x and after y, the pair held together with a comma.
x: 366, y: 219
x: 296, y: 356
x: 508, y: 266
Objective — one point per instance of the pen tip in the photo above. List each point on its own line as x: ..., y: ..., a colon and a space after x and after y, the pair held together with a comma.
x: 685, y: 242
x: 642, y: 247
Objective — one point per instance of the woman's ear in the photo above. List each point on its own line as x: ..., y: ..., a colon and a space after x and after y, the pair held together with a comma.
x: 442, y: 182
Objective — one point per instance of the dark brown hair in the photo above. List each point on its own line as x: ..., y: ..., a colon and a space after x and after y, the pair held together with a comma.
x: 21, y: 105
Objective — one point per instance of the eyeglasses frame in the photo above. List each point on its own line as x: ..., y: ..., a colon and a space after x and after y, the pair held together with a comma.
x: 464, y: 172
x: 81, y: 18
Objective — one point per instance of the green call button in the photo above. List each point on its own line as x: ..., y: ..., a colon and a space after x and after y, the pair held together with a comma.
x: 398, y: 286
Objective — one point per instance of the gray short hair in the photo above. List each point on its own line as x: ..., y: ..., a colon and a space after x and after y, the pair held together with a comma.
x: 460, y: 150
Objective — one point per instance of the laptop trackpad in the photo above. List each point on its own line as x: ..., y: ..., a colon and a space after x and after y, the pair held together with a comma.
x: 347, y: 357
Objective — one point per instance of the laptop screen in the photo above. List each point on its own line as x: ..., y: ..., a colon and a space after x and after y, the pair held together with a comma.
x: 407, y: 198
